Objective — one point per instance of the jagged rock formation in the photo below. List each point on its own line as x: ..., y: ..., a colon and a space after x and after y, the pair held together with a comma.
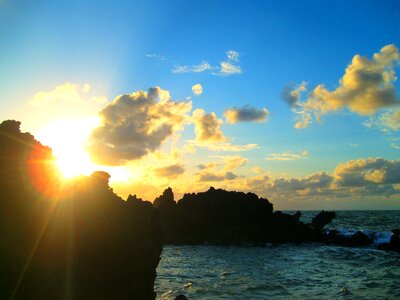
x: 77, y: 240
x: 221, y: 217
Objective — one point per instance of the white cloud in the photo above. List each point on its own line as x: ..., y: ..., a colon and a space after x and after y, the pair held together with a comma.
x: 233, y: 55
x: 228, y: 147
x: 226, y: 67
x: 156, y: 56
x: 288, y: 155
x: 203, y: 66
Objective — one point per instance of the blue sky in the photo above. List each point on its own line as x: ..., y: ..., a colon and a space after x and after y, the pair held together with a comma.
x: 119, y: 47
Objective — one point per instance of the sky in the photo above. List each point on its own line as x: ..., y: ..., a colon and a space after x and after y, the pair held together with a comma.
x: 297, y: 101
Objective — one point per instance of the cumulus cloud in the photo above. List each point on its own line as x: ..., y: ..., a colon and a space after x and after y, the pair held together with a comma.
x: 207, y: 127
x: 135, y: 125
x: 288, y: 155
x: 366, y: 87
x: 171, y: 171
x: 314, y: 181
x: 246, y: 113
x: 228, y: 68
x: 197, y: 89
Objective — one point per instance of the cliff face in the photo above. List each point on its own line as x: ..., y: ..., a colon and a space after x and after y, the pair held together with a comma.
x: 221, y: 217
x: 77, y: 240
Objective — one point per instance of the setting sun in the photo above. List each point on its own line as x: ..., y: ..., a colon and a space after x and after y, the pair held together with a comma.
x: 67, y: 138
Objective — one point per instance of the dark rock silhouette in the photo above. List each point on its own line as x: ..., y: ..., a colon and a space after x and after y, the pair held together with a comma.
x: 356, y: 239
x: 69, y: 240
x: 224, y: 218
x: 323, y: 219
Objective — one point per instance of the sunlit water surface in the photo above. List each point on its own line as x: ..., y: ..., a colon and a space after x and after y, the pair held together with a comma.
x: 309, y: 271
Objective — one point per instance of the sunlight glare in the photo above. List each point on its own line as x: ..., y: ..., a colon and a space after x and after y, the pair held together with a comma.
x: 66, y: 138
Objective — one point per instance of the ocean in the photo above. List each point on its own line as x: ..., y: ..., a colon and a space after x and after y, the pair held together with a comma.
x: 288, y: 271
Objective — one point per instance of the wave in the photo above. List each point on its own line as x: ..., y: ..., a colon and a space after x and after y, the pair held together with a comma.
x: 378, y: 237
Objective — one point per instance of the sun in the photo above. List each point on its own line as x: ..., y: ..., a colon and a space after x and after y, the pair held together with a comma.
x: 73, y: 162
x: 67, y: 138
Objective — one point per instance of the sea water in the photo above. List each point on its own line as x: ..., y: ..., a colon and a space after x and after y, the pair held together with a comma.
x: 288, y: 271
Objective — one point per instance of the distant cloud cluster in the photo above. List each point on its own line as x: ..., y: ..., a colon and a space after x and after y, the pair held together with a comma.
x: 356, y: 178
x: 227, y: 67
x: 388, y: 121
x: 363, y: 172
x: 136, y: 124
x: 366, y: 87
x: 246, y: 113
x: 221, y: 170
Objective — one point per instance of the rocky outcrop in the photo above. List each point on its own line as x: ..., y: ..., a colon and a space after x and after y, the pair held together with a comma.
x: 75, y: 240
x: 323, y: 219
x: 223, y: 218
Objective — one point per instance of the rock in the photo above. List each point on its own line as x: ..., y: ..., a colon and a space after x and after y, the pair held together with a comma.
x: 222, y: 217
x: 165, y: 200
x: 181, y: 297
x: 322, y: 219
x: 357, y: 239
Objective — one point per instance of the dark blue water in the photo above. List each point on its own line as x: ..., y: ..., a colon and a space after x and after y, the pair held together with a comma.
x: 309, y: 271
